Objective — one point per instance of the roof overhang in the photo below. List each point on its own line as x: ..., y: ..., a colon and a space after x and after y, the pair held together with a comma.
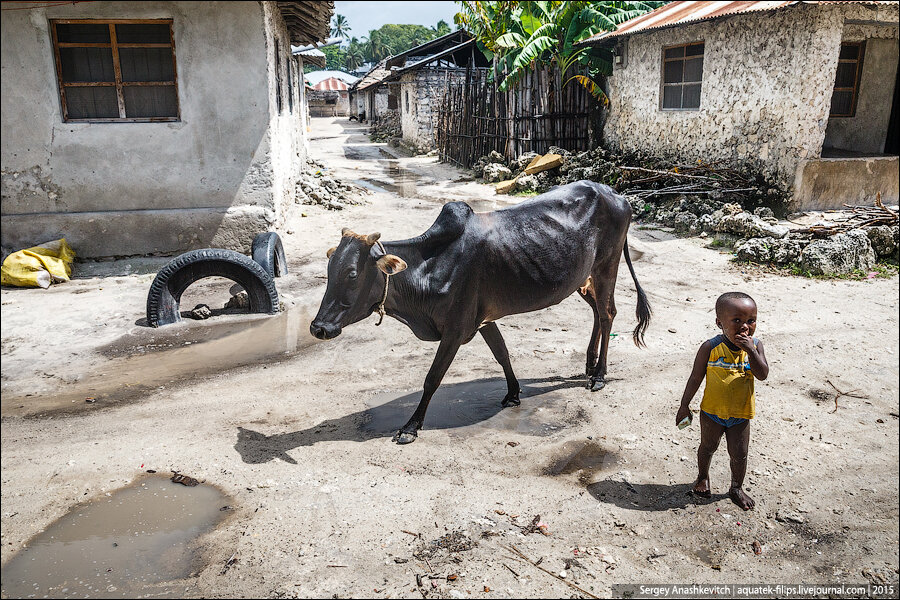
x: 395, y: 74
x: 307, y: 22
x: 675, y: 14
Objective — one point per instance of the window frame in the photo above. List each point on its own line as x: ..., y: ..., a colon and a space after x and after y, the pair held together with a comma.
x: 662, y: 76
x: 119, y: 84
x: 857, y: 76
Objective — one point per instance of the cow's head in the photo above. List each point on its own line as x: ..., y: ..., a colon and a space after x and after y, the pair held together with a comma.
x: 355, y: 285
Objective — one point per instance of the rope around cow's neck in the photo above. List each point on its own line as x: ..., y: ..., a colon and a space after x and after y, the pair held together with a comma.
x: 387, y: 280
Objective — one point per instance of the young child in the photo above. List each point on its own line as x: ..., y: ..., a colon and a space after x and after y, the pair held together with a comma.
x: 730, y: 362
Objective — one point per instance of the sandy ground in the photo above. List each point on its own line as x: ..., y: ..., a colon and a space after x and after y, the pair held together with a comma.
x: 297, y: 431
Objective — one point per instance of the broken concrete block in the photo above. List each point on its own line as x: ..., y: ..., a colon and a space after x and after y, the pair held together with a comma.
x: 543, y: 163
x: 505, y: 187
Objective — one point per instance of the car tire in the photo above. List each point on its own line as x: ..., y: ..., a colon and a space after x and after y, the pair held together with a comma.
x: 185, y: 269
x: 268, y: 252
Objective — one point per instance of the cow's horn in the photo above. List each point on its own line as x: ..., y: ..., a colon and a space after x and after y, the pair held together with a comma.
x: 372, y: 238
x: 330, y: 251
x: 345, y: 232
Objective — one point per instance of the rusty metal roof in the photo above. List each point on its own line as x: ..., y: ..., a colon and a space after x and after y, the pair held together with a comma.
x: 682, y: 13
x: 331, y: 84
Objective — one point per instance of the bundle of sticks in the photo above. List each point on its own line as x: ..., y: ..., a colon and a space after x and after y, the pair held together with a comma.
x: 856, y: 217
x: 703, y: 179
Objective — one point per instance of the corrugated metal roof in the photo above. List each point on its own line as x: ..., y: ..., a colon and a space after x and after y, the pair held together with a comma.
x: 331, y: 84
x: 681, y: 13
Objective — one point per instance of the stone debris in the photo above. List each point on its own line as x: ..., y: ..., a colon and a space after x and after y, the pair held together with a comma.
x: 201, y: 311
x: 239, y: 300
x: 840, y: 254
x: 709, y: 201
x: 316, y: 186
x: 386, y: 128
x: 494, y: 172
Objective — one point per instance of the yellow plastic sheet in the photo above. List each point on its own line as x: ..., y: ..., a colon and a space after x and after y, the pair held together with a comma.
x: 39, y: 266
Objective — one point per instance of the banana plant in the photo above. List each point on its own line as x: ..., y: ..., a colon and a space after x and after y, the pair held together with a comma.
x: 522, y: 35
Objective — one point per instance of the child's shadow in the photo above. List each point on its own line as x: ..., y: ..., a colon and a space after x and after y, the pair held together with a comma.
x: 648, y: 496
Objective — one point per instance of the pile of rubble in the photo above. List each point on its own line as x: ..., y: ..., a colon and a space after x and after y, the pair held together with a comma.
x: 386, y: 128
x: 315, y: 186
x: 711, y: 200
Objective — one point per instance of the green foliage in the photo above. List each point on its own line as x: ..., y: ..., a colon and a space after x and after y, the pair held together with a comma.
x: 339, y: 26
x: 392, y: 39
x: 523, y: 35
x: 335, y: 57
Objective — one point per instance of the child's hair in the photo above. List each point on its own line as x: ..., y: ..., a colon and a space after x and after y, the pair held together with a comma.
x: 728, y: 296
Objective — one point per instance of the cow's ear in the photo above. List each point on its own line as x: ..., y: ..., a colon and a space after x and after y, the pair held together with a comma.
x: 390, y: 264
x: 330, y: 251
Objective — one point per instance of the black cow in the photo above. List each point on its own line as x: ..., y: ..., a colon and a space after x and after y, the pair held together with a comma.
x: 470, y: 269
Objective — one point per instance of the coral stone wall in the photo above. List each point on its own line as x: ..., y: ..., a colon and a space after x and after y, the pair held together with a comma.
x: 766, y: 93
x: 420, y: 93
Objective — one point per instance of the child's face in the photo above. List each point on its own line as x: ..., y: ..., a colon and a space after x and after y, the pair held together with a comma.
x: 737, y: 317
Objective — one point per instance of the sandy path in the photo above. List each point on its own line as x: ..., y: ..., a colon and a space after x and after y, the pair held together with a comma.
x: 301, y: 440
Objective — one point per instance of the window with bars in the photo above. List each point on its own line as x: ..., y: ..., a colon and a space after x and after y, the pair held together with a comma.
x: 846, y: 82
x: 682, y: 76
x: 116, y: 71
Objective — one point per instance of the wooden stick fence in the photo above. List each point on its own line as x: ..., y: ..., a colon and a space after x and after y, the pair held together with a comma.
x: 474, y: 117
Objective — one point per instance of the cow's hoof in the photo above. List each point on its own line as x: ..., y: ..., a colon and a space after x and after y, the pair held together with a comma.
x: 404, y: 437
x: 511, y: 401
x: 596, y: 385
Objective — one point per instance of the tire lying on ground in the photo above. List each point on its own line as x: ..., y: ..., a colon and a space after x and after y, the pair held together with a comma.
x: 171, y: 281
x: 268, y: 252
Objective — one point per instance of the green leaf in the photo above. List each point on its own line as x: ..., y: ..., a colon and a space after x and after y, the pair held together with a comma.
x: 511, y: 40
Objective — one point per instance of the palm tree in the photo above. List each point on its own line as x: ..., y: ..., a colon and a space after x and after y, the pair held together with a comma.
x: 339, y: 26
x: 355, y: 55
x: 377, y: 48
x: 441, y: 28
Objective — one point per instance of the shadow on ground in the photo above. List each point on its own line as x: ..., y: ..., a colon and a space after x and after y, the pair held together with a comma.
x: 648, y: 496
x: 453, y: 406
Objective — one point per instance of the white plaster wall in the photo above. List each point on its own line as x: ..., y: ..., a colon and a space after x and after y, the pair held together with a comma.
x: 766, y: 94
x: 287, y: 127
x: 228, y: 160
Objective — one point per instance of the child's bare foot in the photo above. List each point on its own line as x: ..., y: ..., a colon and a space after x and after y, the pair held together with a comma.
x: 739, y: 497
x: 701, y: 488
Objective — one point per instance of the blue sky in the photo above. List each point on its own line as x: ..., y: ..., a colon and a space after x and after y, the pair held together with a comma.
x: 364, y: 16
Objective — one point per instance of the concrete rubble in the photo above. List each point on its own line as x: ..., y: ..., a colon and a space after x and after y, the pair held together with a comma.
x: 734, y: 208
x: 316, y: 186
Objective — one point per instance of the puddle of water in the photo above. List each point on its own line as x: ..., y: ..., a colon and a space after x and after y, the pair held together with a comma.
x: 586, y: 459
x: 466, y: 407
x: 141, y: 362
x: 139, y: 536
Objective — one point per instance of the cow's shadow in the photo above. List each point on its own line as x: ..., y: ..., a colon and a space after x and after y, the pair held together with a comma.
x: 453, y: 406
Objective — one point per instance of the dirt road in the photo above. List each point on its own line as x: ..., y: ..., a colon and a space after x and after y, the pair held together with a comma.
x: 297, y: 431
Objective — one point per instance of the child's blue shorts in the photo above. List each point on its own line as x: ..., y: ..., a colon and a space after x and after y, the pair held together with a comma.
x: 726, y: 423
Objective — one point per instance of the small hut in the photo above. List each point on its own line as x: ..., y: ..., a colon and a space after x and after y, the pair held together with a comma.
x: 329, y: 98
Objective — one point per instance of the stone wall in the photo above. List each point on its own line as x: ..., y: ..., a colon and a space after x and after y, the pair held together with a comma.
x: 766, y: 93
x: 221, y: 174
x: 421, y: 92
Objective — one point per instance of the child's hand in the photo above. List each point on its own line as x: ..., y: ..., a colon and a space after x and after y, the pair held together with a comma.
x: 683, y: 412
x: 744, y: 342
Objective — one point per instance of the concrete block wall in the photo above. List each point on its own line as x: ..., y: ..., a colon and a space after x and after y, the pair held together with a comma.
x: 217, y: 177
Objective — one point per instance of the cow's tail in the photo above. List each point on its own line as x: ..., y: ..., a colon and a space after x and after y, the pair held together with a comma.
x: 643, y: 310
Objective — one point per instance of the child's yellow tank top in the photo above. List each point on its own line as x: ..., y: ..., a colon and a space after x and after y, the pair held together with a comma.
x: 729, y: 382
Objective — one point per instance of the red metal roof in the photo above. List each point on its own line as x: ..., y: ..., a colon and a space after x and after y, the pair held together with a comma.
x: 331, y: 84
x: 680, y: 13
